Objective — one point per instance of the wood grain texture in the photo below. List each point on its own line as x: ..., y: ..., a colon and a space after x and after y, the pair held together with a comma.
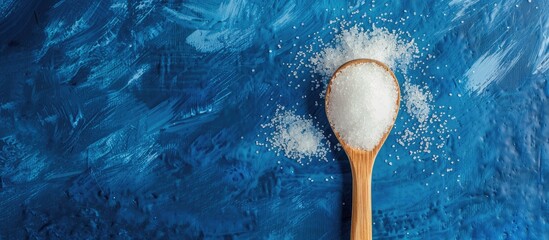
x: 362, y: 163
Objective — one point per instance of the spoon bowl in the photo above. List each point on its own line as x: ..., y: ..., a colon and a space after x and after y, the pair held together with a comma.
x: 362, y: 162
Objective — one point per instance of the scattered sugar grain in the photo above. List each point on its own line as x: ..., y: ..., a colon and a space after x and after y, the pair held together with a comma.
x: 417, y: 101
x: 296, y: 136
x: 355, y: 43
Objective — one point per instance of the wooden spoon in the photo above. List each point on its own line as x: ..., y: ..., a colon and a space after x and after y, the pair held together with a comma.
x: 362, y: 163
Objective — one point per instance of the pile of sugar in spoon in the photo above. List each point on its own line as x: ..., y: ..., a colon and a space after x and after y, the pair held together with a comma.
x: 425, y: 126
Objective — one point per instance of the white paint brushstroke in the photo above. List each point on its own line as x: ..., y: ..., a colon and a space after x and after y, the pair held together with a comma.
x: 541, y: 63
x: 488, y: 68
x: 60, y: 30
x: 465, y: 4
x: 232, y: 10
x: 233, y: 40
x: 229, y: 35
x: 285, y: 17
x: 138, y: 74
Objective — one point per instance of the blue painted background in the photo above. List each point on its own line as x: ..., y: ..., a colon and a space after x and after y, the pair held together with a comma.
x: 139, y: 120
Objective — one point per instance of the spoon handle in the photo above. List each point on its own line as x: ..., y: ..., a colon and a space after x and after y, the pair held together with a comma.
x: 361, y: 219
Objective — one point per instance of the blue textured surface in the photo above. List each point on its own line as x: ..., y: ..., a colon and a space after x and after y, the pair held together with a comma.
x: 139, y: 120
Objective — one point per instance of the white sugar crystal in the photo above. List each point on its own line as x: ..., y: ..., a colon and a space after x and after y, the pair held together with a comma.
x: 296, y: 136
x: 355, y: 43
x: 418, y: 101
x: 362, y: 104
